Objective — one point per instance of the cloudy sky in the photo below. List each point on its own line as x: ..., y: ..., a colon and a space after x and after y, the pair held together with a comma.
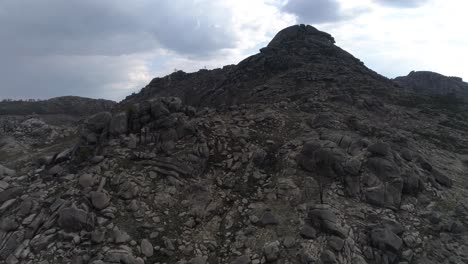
x: 109, y: 49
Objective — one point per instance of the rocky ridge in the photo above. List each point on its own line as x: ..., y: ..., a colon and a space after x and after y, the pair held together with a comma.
x: 299, y: 154
x: 65, y: 105
x: 435, y: 84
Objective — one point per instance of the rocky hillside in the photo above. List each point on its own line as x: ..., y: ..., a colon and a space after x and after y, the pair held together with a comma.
x: 299, y: 154
x: 297, y: 63
x: 69, y: 105
x: 432, y: 83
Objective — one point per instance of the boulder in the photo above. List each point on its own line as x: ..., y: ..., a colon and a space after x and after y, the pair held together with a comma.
x: 158, y: 109
x: 8, y: 224
x: 379, y: 149
x: 173, y: 103
x: 241, y: 260
x: 146, y: 248
x: 384, y: 183
x: 308, y: 232
x: 10, y: 193
x: 324, y: 218
x: 269, y: 218
x: 442, y: 178
x: 412, y: 184
x: 120, y: 256
x: 100, y: 200
x: 98, y: 122
x: 328, y: 257
x: 386, y: 194
x: 56, y: 170
x: 271, y: 251
x: 86, y: 180
x: 325, y: 157
x: 336, y: 243
x: 10, y: 243
x: 4, y: 171
x: 385, y: 239
x: 119, y: 124
x: 199, y: 260
x: 407, y: 154
x: 393, y: 226
x: 75, y: 219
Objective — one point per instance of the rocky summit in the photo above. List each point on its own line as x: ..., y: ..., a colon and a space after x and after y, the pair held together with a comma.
x: 298, y: 154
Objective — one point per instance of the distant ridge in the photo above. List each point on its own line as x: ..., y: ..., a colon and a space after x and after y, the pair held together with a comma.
x: 432, y: 83
x: 71, y: 105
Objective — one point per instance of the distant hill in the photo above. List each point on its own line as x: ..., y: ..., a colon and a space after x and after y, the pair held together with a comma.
x: 432, y: 83
x: 70, y: 105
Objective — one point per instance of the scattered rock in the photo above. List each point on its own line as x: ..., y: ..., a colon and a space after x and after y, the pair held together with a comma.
x: 271, y: 251
x: 323, y: 217
x: 385, y: 239
x: 308, y: 232
x: 86, y: 180
x: 76, y: 219
x: 379, y: 149
x: 241, y: 260
x: 146, y: 248
x: 199, y: 260
x: 269, y: 219
x: 100, y: 200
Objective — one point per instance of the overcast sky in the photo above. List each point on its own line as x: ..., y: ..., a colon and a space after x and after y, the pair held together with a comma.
x: 109, y: 49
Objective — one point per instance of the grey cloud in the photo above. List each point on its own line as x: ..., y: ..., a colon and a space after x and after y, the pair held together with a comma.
x: 108, y: 27
x: 82, y: 47
x: 45, y: 77
x: 402, y: 3
x: 315, y: 11
x: 321, y: 11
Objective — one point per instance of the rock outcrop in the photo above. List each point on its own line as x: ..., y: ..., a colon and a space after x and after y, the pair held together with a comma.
x: 432, y: 83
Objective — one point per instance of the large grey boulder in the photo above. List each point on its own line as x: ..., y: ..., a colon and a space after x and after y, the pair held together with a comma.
x: 442, y: 178
x: 98, y: 122
x: 158, y: 108
x: 385, y: 239
x: 10, y: 243
x: 4, y: 171
x: 100, y: 200
x: 379, y: 149
x: 119, y: 124
x: 271, y: 251
x: 75, y: 219
x: 147, y: 248
x: 323, y: 217
x: 120, y: 256
x: 323, y: 157
x: 384, y: 183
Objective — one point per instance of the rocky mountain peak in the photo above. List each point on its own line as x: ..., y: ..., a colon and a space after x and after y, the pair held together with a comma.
x: 300, y: 54
x: 300, y: 34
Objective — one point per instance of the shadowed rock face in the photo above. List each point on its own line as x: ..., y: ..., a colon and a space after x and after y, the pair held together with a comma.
x: 432, y: 83
x: 298, y: 154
